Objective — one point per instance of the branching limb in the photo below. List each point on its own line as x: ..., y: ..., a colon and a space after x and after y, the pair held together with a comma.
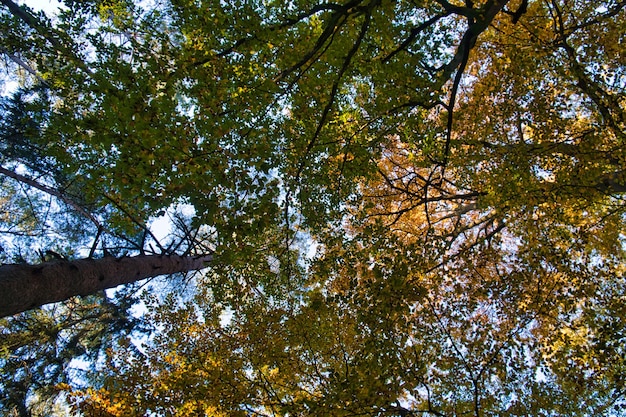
x: 55, y: 38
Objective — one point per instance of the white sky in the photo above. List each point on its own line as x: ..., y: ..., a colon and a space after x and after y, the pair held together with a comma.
x: 49, y: 6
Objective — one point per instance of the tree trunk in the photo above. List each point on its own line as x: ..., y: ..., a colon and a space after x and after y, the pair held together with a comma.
x: 23, y: 287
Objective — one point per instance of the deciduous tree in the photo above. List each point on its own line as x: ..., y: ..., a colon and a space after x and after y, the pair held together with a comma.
x: 458, y: 166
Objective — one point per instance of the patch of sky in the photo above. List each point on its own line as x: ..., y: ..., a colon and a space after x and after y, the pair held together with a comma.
x: 49, y: 7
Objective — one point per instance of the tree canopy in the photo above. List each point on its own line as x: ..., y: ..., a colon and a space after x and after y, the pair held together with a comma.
x: 410, y: 207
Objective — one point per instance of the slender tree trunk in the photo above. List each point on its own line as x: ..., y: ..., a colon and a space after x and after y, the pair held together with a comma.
x: 23, y: 287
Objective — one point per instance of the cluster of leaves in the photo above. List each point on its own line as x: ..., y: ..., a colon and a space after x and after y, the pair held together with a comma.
x: 460, y: 168
x: 44, y: 352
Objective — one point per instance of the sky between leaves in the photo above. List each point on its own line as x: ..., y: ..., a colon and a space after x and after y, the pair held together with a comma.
x: 459, y: 167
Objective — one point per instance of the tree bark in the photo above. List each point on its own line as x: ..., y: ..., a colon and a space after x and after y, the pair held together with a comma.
x: 23, y: 287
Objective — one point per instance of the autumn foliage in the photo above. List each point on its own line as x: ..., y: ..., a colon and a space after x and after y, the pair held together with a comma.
x: 412, y: 207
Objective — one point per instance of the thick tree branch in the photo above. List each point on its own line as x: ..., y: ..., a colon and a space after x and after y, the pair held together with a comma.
x: 337, y: 19
x: 460, y: 59
x: 23, y: 287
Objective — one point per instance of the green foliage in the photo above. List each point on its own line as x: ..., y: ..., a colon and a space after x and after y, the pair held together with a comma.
x: 44, y: 352
x: 415, y: 207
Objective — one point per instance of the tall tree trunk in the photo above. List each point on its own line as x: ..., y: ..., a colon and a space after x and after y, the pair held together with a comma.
x: 23, y: 287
